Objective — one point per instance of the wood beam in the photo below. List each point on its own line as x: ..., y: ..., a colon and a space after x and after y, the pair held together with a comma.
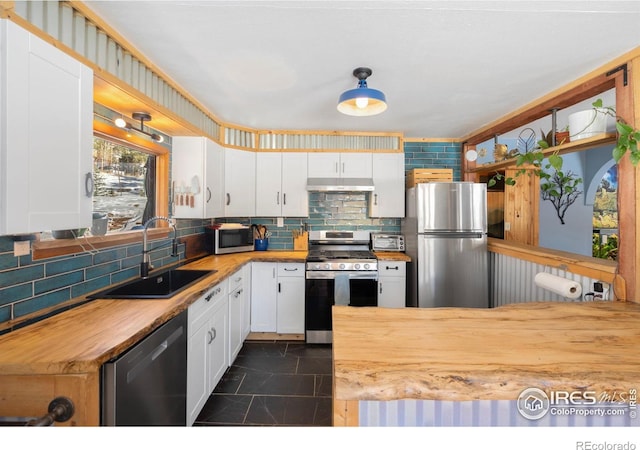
x: 628, y: 108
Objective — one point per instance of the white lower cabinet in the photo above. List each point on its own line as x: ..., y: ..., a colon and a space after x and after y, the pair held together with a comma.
x: 264, y: 285
x: 238, y: 305
x: 246, y: 312
x: 208, y: 347
x: 290, y: 298
x: 392, y: 284
x: 277, y: 300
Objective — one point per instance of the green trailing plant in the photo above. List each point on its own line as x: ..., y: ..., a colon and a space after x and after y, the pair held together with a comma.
x: 628, y: 136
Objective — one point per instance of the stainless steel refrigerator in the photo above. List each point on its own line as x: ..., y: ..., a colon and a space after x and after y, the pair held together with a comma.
x: 445, y: 231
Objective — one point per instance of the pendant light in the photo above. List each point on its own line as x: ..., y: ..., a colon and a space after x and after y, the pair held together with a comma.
x: 362, y: 101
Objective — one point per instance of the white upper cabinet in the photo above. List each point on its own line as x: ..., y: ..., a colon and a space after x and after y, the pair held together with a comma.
x: 198, y: 178
x: 387, y: 199
x: 240, y: 183
x: 281, y: 180
x: 340, y: 165
x: 46, y: 180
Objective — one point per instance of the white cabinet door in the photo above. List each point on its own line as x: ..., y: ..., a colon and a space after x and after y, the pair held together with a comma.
x: 236, y: 306
x: 387, y: 200
x: 392, y: 284
x: 218, y: 341
x: 197, y: 171
x: 214, y: 187
x: 356, y: 165
x: 197, y: 372
x: 290, y: 304
x: 340, y: 165
x: 47, y: 127
x: 240, y: 183
x: 264, y: 297
x: 269, y: 195
x: 200, y: 381
x: 295, y: 201
x: 324, y: 165
x: 246, y: 306
x: 281, y: 185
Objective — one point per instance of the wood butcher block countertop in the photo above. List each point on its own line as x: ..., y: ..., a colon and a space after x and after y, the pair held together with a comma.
x: 468, y: 354
x: 80, y: 340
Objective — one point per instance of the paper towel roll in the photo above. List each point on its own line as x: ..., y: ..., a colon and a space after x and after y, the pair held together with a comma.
x: 559, y: 285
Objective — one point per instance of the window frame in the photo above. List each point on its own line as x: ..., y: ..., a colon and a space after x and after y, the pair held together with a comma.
x: 61, y: 247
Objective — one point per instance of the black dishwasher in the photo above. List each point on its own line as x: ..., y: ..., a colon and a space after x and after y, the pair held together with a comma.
x: 147, y: 385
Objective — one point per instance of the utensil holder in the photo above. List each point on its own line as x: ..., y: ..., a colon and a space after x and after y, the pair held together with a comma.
x: 261, y: 244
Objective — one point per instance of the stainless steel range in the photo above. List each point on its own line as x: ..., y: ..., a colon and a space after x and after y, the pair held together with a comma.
x: 340, y: 270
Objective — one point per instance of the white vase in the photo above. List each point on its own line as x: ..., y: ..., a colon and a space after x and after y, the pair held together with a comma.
x: 587, y: 123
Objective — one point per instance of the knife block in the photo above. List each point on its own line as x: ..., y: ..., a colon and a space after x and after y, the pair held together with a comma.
x: 301, y: 241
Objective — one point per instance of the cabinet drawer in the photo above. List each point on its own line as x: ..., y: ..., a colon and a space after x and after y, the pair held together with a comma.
x: 200, y: 310
x: 392, y: 268
x: 235, y: 280
x: 290, y: 269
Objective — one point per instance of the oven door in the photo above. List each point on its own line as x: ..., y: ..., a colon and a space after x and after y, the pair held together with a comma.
x: 325, y: 289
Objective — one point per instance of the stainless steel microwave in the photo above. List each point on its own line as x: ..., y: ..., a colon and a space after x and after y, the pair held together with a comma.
x: 221, y: 241
x: 387, y: 242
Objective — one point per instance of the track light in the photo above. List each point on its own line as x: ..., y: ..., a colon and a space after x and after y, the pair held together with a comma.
x: 362, y: 101
x: 142, y: 117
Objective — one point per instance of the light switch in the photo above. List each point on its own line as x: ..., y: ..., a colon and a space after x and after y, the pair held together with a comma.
x: 507, y: 226
x: 21, y: 248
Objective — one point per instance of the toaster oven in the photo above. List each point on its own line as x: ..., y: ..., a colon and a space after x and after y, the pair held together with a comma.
x: 387, y: 242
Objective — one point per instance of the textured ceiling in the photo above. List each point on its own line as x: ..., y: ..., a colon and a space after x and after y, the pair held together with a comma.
x: 446, y: 67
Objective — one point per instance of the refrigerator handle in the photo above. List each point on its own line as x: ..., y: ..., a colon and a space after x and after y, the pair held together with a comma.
x: 454, y: 234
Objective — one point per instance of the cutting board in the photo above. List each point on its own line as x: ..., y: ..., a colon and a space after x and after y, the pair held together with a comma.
x: 301, y: 241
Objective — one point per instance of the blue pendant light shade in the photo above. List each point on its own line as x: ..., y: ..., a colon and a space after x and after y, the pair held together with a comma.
x: 362, y: 101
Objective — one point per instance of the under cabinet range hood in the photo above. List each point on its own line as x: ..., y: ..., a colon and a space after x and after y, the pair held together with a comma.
x: 340, y: 184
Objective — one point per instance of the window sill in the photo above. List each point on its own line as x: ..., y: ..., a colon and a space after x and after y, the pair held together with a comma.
x: 61, y: 247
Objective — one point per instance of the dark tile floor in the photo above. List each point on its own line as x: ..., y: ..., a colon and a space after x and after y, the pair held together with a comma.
x: 273, y: 383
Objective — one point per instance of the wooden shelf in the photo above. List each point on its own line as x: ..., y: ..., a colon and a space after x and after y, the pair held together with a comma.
x: 570, y: 147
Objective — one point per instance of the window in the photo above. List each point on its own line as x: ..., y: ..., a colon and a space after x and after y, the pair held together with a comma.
x: 124, y: 187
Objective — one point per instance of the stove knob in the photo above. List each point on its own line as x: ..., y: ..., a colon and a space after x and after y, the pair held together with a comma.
x: 366, y: 266
x: 357, y: 266
x: 327, y: 266
x: 342, y: 266
x: 317, y: 267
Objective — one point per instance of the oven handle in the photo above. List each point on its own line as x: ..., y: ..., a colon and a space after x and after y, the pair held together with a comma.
x: 331, y: 275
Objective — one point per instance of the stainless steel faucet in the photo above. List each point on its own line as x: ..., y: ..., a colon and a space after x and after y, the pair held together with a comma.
x: 145, y: 266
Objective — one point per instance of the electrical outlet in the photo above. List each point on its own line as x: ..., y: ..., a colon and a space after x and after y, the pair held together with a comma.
x: 600, y: 291
x: 507, y: 226
x: 280, y: 222
x: 21, y: 248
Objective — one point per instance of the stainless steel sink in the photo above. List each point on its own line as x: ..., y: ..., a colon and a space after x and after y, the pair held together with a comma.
x: 161, y: 285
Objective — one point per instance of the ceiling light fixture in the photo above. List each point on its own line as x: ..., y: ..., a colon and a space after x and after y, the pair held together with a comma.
x: 142, y: 117
x: 362, y: 101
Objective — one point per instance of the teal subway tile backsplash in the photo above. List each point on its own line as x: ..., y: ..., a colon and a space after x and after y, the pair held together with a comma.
x: 21, y: 275
x: 28, y: 286
x: 15, y: 293
x: 67, y: 265
x: 58, y: 281
x: 42, y: 301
